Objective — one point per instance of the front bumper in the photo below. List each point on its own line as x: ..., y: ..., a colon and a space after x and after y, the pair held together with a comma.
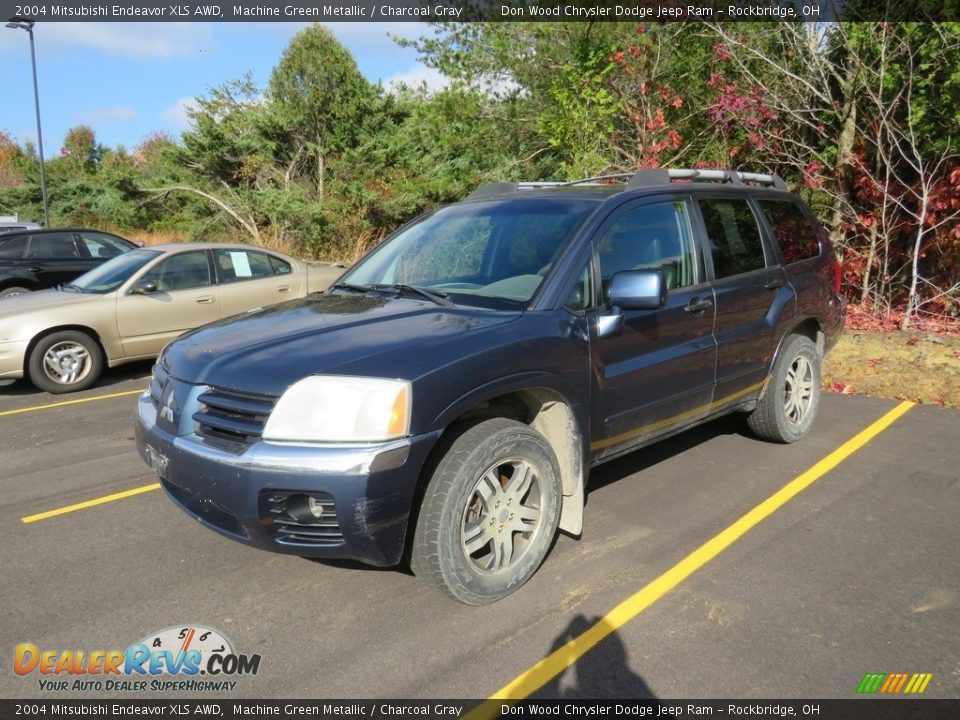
x: 372, y: 489
x: 12, y: 358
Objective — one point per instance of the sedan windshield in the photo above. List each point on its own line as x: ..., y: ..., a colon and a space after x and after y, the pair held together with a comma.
x: 494, y: 253
x: 114, y: 273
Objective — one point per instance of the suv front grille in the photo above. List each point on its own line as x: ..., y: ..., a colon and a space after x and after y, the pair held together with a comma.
x: 232, y: 418
x: 158, y: 382
x: 289, y: 530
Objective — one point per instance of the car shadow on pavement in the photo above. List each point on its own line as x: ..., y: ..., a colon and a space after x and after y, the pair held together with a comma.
x: 139, y: 370
x: 602, y: 673
x: 647, y: 457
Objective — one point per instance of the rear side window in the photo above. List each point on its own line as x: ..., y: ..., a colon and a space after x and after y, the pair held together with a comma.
x: 236, y: 265
x: 733, y: 235
x: 56, y: 245
x: 795, y: 235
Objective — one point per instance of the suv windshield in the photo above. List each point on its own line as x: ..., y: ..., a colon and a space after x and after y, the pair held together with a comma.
x: 493, y: 253
x: 114, y: 273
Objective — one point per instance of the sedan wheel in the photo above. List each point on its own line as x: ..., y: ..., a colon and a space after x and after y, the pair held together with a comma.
x: 65, y: 362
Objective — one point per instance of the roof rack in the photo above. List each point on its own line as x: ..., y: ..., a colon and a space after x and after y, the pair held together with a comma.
x: 663, y: 176
x: 652, y: 177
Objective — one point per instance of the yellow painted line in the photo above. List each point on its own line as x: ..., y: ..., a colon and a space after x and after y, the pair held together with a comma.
x: 64, y: 403
x: 542, y: 672
x: 90, y: 503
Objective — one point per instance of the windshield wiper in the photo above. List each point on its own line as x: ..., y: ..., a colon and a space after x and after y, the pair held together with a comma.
x: 72, y: 286
x: 440, y: 298
x: 350, y: 286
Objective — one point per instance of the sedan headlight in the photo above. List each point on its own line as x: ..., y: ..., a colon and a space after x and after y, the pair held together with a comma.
x: 335, y: 408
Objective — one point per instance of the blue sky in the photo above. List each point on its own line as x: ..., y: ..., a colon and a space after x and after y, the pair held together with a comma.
x: 127, y: 79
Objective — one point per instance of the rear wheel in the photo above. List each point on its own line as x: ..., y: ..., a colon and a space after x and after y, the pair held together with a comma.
x: 489, y: 513
x: 786, y: 412
x: 65, y: 361
x: 13, y: 292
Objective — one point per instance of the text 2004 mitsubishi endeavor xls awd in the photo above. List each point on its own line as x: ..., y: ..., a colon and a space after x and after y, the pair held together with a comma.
x: 447, y: 398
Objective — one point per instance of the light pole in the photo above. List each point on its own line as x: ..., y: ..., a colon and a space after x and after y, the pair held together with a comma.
x: 21, y: 24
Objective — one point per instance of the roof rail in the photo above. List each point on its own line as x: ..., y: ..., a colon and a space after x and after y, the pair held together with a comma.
x: 652, y: 177
x: 663, y: 176
x: 496, y: 189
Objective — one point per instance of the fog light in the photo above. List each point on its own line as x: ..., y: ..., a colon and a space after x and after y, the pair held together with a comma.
x: 304, y: 508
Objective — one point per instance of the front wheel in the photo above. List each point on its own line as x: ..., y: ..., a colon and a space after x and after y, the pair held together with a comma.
x: 65, y: 362
x: 786, y: 412
x: 489, y: 513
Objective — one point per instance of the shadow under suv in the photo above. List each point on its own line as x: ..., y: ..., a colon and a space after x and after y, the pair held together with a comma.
x: 447, y: 398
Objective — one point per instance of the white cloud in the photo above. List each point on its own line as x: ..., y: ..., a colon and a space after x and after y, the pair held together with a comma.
x: 416, y: 78
x: 99, y: 116
x: 360, y: 33
x: 177, y: 113
x: 139, y: 41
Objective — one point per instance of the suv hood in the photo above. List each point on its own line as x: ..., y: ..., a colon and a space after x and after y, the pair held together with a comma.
x: 267, y: 350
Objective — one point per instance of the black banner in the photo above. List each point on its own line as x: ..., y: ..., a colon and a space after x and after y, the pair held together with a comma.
x: 853, y: 709
x: 486, y: 10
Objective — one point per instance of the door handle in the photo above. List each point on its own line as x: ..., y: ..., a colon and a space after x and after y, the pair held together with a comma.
x: 35, y: 269
x: 774, y: 283
x: 698, y: 304
x: 205, y: 299
x: 283, y: 288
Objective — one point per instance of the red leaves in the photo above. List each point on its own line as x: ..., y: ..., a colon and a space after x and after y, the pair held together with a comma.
x: 860, y: 317
x: 811, y: 175
x: 838, y: 386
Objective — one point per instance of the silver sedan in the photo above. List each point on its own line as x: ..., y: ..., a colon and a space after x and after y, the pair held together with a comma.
x: 131, y: 306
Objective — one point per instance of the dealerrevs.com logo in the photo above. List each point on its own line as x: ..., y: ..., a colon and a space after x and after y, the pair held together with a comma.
x: 171, y: 659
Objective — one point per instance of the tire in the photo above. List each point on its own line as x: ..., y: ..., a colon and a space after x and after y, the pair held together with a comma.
x: 788, y: 408
x: 65, y: 362
x: 13, y: 292
x: 468, y: 540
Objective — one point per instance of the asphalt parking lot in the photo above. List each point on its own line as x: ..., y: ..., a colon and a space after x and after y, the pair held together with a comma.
x: 857, y: 573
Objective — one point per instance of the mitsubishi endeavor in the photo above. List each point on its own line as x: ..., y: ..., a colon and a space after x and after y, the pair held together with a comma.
x: 444, y: 402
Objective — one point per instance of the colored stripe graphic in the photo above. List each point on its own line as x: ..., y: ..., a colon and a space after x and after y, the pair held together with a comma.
x: 892, y: 683
x: 871, y: 682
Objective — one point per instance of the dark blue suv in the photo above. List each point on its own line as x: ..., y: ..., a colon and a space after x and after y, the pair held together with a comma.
x: 445, y: 401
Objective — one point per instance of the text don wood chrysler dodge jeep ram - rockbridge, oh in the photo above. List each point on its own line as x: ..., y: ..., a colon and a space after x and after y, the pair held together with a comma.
x: 444, y: 401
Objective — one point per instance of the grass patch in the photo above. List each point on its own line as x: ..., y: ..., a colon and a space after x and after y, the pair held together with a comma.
x: 903, y: 365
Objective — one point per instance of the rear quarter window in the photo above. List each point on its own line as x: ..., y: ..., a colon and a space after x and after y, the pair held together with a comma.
x: 797, y: 237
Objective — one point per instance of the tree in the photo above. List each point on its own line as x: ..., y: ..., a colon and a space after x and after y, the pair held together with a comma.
x: 319, y: 99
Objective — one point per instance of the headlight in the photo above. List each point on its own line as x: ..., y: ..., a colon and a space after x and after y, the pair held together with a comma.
x: 334, y: 408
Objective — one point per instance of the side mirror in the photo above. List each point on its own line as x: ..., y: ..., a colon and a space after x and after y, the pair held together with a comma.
x: 638, y: 290
x: 631, y: 290
x: 144, y: 287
